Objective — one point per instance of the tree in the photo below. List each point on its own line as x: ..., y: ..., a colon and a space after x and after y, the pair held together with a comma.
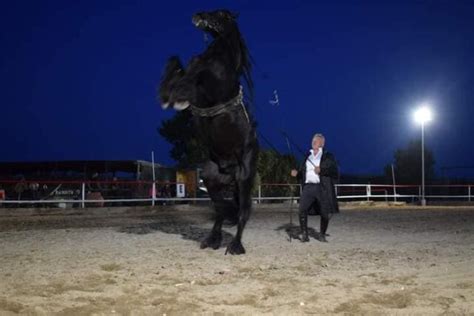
x: 275, y: 168
x: 188, y: 149
x: 407, y: 164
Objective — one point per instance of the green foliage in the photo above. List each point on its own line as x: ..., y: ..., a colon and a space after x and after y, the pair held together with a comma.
x: 188, y: 150
x: 407, y: 164
x: 275, y: 169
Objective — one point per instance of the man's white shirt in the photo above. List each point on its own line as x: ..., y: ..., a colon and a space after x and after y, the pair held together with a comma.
x: 312, y: 162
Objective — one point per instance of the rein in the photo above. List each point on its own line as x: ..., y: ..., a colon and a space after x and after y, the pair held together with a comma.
x: 222, y: 108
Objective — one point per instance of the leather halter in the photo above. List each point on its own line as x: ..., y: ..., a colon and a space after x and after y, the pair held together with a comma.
x: 223, y: 107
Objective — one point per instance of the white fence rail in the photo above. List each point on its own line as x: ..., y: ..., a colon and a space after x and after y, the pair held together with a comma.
x: 152, y: 193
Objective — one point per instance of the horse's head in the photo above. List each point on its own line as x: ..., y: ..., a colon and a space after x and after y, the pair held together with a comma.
x: 222, y: 26
x: 214, y: 77
x: 216, y: 23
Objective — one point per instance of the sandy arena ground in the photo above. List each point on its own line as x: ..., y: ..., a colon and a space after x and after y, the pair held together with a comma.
x: 392, y: 261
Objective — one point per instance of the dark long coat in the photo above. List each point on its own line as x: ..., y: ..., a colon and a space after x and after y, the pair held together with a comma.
x: 329, y: 175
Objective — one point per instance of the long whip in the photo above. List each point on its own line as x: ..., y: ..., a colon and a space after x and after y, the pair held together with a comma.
x: 291, y: 192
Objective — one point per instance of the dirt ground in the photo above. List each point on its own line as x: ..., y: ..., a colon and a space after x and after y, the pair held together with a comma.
x: 391, y: 261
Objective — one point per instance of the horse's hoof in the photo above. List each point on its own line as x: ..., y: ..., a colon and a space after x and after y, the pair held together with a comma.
x: 212, y: 241
x: 235, y: 248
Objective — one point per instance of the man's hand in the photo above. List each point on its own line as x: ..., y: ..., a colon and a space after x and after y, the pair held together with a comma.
x: 294, y: 173
x: 317, y: 170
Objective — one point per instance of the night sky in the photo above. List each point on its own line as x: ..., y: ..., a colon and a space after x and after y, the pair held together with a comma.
x: 78, y: 78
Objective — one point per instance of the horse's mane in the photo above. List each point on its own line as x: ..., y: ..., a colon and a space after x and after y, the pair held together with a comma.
x: 245, y: 62
x: 232, y: 36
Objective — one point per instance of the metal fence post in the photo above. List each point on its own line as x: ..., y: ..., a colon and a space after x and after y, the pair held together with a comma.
x: 469, y: 193
x: 368, y: 190
x: 259, y: 193
x: 83, y: 195
x: 153, y: 193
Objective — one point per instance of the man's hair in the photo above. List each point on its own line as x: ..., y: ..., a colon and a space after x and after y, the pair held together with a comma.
x: 318, y: 135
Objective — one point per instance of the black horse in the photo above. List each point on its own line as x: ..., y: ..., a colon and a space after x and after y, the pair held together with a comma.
x: 211, y: 89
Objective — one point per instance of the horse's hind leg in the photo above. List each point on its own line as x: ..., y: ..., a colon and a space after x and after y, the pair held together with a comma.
x: 245, y: 200
x: 245, y: 182
x: 215, y: 184
x: 214, y: 239
x: 222, y: 207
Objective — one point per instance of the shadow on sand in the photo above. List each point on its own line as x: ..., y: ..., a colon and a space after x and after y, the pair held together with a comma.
x: 294, y: 232
x: 177, y: 225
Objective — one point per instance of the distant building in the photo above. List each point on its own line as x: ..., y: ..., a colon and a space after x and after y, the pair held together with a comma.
x: 110, y: 178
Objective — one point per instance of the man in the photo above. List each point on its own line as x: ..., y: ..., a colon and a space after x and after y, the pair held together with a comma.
x: 317, y: 175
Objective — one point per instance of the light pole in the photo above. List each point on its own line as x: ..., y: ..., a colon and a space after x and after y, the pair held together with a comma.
x: 422, y: 116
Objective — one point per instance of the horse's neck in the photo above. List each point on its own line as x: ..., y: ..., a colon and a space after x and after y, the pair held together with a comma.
x: 219, y: 58
x: 227, y: 49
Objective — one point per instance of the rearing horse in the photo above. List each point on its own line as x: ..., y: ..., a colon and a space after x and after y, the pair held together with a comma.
x: 210, y: 88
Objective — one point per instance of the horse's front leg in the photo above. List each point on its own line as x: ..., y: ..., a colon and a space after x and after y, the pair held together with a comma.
x: 172, y: 74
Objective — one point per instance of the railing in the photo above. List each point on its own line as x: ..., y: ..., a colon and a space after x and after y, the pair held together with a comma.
x: 71, y: 193
x: 67, y: 193
x: 404, y: 192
